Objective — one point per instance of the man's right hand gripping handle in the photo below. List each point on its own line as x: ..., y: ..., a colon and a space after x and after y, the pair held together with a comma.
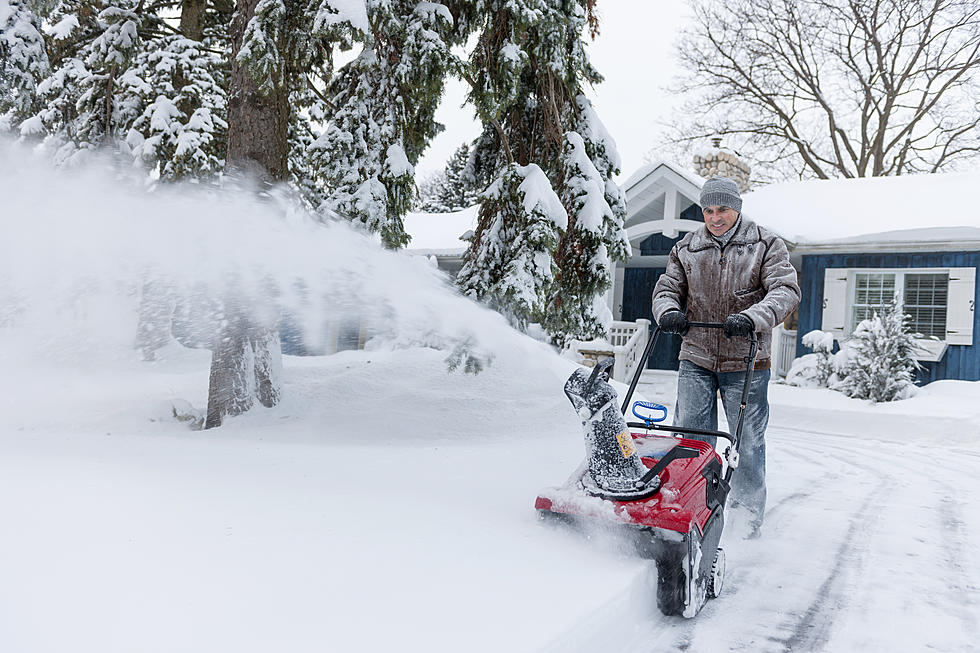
x: 674, y: 322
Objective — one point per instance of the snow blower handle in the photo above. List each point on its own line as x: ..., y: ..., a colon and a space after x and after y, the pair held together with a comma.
x: 753, y: 339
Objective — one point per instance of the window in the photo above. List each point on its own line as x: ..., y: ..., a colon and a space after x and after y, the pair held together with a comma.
x: 871, y: 292
x: 940, y: 301
x: 924, y: 298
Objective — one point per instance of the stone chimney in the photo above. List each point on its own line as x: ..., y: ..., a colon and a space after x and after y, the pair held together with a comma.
x: 722, y: 162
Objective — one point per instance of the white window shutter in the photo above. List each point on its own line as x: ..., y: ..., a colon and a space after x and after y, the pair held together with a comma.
x: 834, y: 301
x: 960, y: 308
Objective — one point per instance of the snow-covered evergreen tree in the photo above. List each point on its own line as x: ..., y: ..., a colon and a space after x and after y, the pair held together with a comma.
x: 526, y: 76
x: 453, y: 189
x: 273, y: 51
x: 510, y: 264
x: 95, y: 42
x: 180, y: 88
x: 880, y: 364
x: 23, y: 62
x: 385, y: 106
x: 462, y: 189
x: 308, y: 110
x: 430, y: 192
x: 121, y: 78
x: 596, y: 237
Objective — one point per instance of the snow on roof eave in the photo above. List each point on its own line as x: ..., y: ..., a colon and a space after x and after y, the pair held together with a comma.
x: 936, y: 239
x: 645, y: 171
x: 866, y: 209
x: 881, y: 247
x: 438, y: 253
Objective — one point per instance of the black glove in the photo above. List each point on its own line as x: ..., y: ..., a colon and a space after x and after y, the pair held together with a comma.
x: 738, y: 324
x: 674, y: 322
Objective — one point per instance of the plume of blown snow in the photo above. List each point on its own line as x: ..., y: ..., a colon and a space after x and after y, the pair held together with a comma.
x: 80, y: 244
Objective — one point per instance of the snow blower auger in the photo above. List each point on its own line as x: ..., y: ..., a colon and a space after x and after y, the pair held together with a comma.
x: 666, y: 493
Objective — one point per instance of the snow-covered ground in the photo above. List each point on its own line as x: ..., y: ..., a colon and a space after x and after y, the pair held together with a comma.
x: 387, y: 504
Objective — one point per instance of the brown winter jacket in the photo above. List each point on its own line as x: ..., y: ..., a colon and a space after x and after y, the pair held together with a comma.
x: 751, y: 275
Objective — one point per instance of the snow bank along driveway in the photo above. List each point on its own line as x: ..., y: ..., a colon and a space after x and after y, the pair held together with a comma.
x: 388, y: 504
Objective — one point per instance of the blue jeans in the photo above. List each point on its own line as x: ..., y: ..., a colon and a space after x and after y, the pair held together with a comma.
x: 697, y: 407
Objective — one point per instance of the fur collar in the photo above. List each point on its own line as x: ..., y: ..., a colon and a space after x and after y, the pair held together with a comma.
x: 746, y: 234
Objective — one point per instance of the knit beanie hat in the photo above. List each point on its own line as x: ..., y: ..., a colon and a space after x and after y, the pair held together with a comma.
x: 721, y: 191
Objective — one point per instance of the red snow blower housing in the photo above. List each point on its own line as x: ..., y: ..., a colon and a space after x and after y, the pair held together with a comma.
x: 667, y: 493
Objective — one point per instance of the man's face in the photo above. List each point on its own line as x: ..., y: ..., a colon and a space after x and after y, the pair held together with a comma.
x: 719, y: 219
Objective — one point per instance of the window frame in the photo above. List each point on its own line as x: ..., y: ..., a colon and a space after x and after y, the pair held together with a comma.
x: 900, y: 274
x: 931, y: 349
x: 961, y: 299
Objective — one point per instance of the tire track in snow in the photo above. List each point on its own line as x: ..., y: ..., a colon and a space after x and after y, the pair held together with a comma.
x: 810, y: 630
x: 957, y: 576
x: 776, y: 510
x: 813, y: 629
x: 948, y: 543
x: 883, y: 461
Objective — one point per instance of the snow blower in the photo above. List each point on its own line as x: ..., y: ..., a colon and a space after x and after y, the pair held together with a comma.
x: 665, y: 493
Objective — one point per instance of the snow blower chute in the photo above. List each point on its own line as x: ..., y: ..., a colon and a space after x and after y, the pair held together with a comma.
x: 666, y: 493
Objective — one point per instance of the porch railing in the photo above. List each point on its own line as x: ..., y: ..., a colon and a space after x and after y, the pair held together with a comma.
x: 783, y: 349
x: 628, y: 339
x: 625, y: 345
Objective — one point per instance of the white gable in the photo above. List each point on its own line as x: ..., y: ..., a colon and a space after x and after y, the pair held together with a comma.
x: 656, y: 195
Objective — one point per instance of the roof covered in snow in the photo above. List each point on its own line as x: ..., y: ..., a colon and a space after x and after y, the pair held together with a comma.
x: 440, y: 233
x: 910, y: 208
x: 846, y: 214
x: 645, y: 170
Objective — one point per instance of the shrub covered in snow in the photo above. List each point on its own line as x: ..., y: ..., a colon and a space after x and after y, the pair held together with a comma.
x: 814, y: 370
x: 877, y: 362
x: 880, y: 358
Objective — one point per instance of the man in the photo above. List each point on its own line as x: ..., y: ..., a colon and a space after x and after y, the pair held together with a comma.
x: 732, y: 271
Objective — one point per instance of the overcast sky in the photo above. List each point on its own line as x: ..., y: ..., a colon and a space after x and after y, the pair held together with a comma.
x: 635, y: 53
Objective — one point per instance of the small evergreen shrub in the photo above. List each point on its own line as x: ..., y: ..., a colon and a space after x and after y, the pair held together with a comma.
x: 880, y: 364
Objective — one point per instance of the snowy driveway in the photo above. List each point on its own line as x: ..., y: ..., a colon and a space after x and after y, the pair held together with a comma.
x: 868, y: 546
x: 388, y: 505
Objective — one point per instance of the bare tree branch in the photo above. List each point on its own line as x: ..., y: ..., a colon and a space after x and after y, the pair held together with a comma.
x: 834, y: 88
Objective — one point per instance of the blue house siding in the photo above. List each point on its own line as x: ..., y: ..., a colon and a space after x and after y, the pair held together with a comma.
x: 959, y: 361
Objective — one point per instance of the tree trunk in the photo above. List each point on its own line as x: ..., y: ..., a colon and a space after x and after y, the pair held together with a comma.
x: 231, y: 389
x: 247, y: 356
x: 257, y: 123
x: 192, y: 19
x: 155, y: 317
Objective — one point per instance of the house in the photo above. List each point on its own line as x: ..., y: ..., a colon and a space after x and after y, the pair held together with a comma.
x: 855, y: 243
x: 859, y: 242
